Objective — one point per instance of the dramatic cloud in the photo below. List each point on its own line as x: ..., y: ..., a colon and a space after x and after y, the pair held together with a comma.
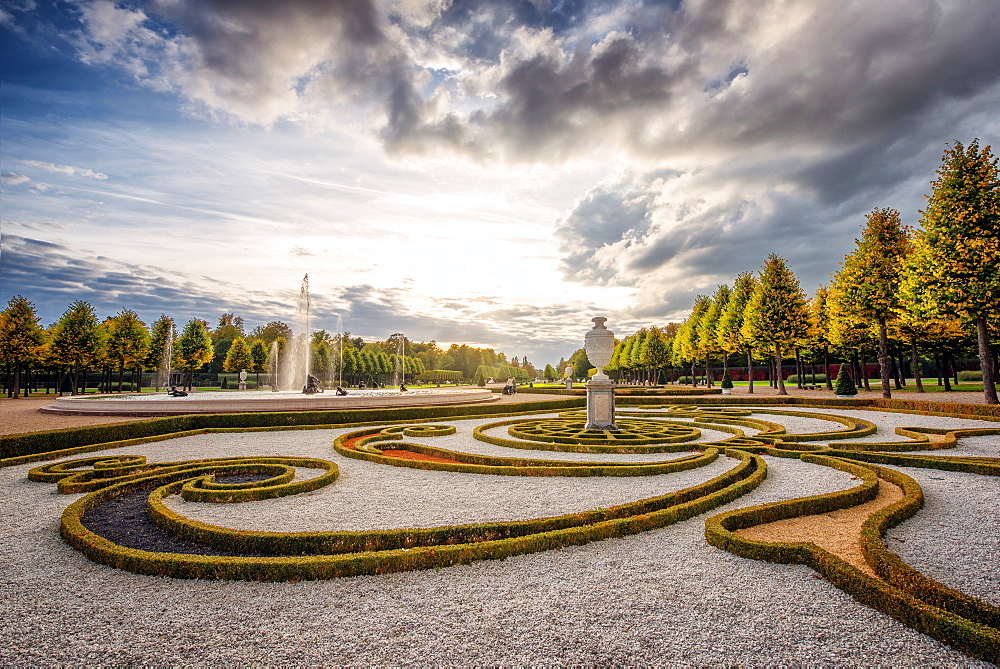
x: 645, y: 151
x: 53, y: 275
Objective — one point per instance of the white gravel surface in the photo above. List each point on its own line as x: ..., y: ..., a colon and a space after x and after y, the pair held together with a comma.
x: 664, y: 597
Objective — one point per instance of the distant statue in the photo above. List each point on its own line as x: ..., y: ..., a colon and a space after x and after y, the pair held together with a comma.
x: 173, y: 392
x: 402, y: 388
x: 313, y: 385
x: 341, y: 392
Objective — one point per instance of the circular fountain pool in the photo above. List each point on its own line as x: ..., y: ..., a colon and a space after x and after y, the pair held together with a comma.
x: 257, y: 400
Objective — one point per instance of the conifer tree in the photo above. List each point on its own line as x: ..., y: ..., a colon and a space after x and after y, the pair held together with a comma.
x: 958, y: 245
x: 870, y: 276
x: 776, y: 314
x: 21, y: 337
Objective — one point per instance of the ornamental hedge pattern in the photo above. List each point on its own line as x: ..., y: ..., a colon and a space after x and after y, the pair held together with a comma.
x: 411, y: 437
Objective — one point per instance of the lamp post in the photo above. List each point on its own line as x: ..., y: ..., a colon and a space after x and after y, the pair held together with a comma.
x: 600, y: 346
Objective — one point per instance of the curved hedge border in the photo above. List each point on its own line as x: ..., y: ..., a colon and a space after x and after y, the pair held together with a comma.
x: 72, y: 440
x: 900, y: 591
x: 314, y: 555
x: 364, y: 448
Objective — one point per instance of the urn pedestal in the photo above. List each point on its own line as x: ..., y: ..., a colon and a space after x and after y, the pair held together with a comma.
x: 243, y: 379
x: 600, y: 346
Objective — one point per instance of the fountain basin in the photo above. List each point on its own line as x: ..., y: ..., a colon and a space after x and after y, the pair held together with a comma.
x: 251, y: 401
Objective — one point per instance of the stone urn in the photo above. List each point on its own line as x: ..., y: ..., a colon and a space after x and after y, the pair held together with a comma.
x: 599, y: 344
x: 243, y: 379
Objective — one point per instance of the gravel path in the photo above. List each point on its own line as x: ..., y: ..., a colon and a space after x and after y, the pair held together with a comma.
x: 664, y: 597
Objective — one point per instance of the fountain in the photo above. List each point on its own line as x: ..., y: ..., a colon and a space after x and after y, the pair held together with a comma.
x: 164, y: 367
x: 290, y: 381
x: 600, y: 346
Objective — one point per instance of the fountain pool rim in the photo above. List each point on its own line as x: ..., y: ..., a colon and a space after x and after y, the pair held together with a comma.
x: 254, y: 401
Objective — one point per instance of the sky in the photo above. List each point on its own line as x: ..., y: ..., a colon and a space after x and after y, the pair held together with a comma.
x: 495, y: 172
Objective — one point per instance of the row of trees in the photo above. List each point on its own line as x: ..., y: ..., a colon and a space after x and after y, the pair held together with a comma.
x: 79, y: 342
x: 931, y: 292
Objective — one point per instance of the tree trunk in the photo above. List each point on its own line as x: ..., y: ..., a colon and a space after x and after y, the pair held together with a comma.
x: 750, y: 370
x: 986, y: 362
x: 826, y: 366
x: 883, y: 358
x: 800, y: 370
x: 863, y: 370
x: 915, y: 363
x: 14, y: 391
x: 946, y: 370
x: 708, y: 372
x: 777, y: 364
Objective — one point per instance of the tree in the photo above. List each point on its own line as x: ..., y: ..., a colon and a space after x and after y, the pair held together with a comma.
x: 230, y: 327
x: 656, y: 352
x: 708, y: 344
x: 258, y: 357
x: 21, y: 336
x: 271, y: 332
x: 549, y: 374
x: 76, y: 339
x: 238, y: 357
x: 776, y: 314
x: 581, y: 363
x: 689, y: 334
x: 819, y: 328
x: 958, y: 245
x: 729, y: 331
x: 869, y: 279
x: 193, y: 349
x: 161, y: 338
x: 128, y: 342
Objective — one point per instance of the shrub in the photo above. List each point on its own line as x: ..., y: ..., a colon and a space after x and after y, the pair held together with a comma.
x: 844, y: 384
x: 727, y: 381
x: 973, y: 375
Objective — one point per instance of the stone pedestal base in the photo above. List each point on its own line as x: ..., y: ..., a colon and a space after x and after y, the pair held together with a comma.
x: 601, y: 405
x: 242, y: 386
x: 569, y: 384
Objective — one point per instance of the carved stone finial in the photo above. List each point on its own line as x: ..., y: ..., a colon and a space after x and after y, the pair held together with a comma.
x: 599, y: 322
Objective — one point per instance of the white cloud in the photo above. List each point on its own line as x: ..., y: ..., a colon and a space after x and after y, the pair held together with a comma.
x: 66, y: 169
x: 12, y: 179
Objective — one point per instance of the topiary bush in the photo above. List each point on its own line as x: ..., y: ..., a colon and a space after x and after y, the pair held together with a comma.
x: 844, y: 385
x: 727, y: 381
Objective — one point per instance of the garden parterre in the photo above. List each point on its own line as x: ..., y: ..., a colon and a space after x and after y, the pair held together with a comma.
x: 373, y: 495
